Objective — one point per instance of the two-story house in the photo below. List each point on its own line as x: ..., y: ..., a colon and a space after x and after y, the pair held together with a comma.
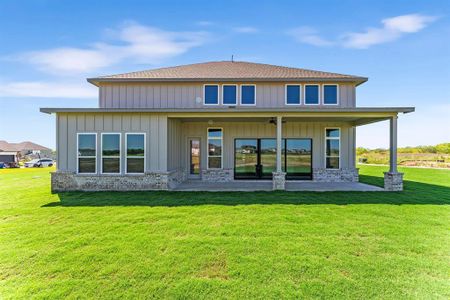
x: 216, y: 122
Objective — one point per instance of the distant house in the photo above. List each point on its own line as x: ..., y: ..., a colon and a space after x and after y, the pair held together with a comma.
x: 15, y: 151
x: 216, y: 122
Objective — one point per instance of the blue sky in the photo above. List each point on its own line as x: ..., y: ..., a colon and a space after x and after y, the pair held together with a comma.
x: 48, y: 48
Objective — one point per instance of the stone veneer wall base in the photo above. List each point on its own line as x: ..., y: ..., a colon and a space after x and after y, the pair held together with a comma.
x: 217, y: 175
x: 278, y: 181
x: 335, y: 175
x: 68, y: 181
x: 393, y: 182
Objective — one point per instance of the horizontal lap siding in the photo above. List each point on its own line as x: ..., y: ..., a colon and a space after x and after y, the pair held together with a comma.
x: 233, y: 130
x: 154, y: 125
x: 184, y: 95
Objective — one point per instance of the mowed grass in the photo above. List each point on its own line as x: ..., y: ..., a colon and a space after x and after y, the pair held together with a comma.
x: 225, y: 245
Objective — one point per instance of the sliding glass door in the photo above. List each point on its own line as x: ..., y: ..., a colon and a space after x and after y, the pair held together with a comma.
x: 298, y: 158
x: 256, y: 158
x: 245, y: 158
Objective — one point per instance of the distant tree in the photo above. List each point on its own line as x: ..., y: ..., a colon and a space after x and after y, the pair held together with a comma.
x: 443, y: 148
x: 362, y: 150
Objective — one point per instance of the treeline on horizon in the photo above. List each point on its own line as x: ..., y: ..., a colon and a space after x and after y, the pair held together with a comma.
x: 443, y: 148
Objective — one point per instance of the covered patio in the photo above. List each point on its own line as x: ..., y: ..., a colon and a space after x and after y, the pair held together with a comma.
x: 282, y: 119
x: 266, y: 185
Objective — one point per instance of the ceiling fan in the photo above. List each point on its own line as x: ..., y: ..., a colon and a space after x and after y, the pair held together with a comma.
x: 274, y: 121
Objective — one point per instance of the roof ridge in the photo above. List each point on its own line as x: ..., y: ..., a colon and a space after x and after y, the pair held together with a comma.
x: 228, y: 70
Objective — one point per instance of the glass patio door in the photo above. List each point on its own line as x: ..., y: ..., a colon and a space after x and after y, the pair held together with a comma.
x: 298, y: 159
x: 246, y: 158
x: 268, y: 157
x: 194, y: 157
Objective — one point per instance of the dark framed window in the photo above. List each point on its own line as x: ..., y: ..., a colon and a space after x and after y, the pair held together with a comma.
x: 248, y: 94
x: 135, y: 153
x: 311, y: 94
x: 211, y: 94
x: 229, y: 96
x: 111, y: 153
x: 332, y: 148
x: 330, y: 94
x: 292, y: 94
x: 87, y: 153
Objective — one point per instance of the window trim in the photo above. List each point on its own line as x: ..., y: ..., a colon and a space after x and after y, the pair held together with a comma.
x: 325, y: 144
x: 126, y: 150
x: 218, y: 94
x: 318, y: 94
x: 286, y: 94
x: 120, y: 153
x: 223, y: 92
x: 240, y: 95
x: 337, y: 94
x: 96, y: 152
x: 207, y: 148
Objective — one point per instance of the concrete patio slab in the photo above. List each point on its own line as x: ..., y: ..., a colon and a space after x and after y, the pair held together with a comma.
x: 266, y: 185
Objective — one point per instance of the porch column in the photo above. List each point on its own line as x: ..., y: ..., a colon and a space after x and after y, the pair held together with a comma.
x: 279, y: 139
x: 393, y: 145
x: 279, y: 177
x: 393, y: 180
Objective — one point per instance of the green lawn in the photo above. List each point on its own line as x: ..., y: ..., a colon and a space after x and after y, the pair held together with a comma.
x: 225, y: 245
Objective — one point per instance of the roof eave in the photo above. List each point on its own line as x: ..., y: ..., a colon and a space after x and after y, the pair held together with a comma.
x: 98, y: 80
x: 403, y: 110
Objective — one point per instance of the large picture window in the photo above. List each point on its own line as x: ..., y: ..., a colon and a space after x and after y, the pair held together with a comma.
x: 332, y: 148
x: 248, y: 94
x: 211, y: 94
x: 215, y: 142
x: 110, y: 153
x: 330, y: 94
x: 311, y: 94
x: 135, y: 153
x: 87, y: 153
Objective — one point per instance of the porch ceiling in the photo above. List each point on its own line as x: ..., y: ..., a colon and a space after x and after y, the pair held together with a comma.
x: 355, y: 115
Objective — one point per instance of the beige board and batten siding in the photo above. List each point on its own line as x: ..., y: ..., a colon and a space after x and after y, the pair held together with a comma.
x: 185, y: 95
x: 153, y: 125
x: 233, y: 130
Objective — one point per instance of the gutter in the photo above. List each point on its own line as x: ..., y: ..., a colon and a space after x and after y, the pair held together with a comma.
x: 404, y: 110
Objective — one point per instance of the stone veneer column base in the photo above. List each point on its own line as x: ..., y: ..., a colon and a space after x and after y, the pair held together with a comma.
x: 335, y: 175
x: 68, y: 181
x: 217, y: 175
x: 278, y: 181
x: 393, y: 182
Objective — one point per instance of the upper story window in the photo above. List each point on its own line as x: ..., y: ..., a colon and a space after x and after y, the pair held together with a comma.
x: 211, y: 94
x: 229, y: 96
x: 311, y: 94
x: 135, y: 155
x: 330, y: 94
x: 292, y: 94
x: 332, y: 148
x: 87, y: 153
x: 110, y: 153
x: 248, y: 94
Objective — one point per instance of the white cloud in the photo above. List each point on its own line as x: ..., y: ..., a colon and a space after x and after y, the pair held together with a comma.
x: 392, y: 29
x: 308, y: 35
x: 41, y: 89
x: 245, y: 29
x: 132, y: 42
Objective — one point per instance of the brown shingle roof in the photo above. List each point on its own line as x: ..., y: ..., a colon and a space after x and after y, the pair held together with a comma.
x: 5, y: 146
x: 228, y: 70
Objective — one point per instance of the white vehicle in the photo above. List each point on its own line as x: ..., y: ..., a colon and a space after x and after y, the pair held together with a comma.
x: 39, y: 163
